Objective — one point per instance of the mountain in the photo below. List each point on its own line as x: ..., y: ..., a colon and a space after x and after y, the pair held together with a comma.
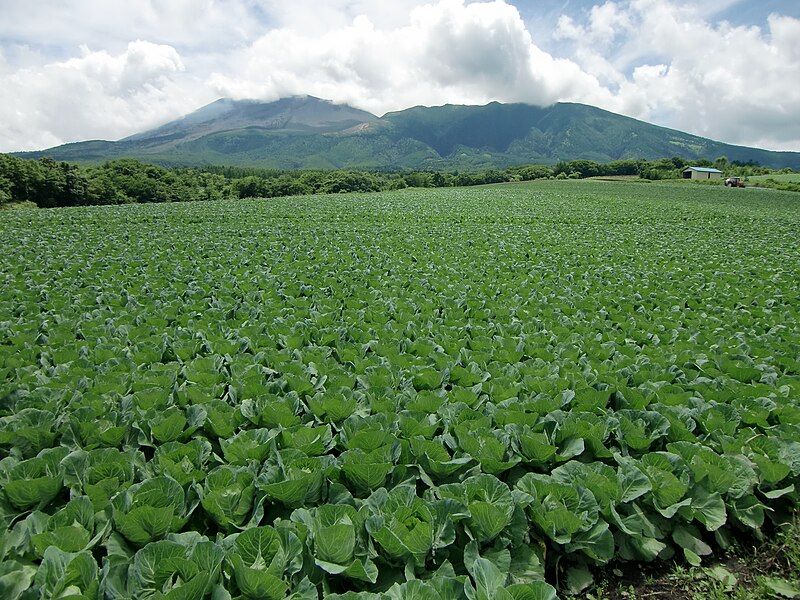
x: 307, y: 132
x: 297, y: 114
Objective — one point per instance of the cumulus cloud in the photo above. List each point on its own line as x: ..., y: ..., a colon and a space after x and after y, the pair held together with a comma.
x: 660, y: 60
x: 95, y: 95
x: 737, y: 84
x: 448, y: 52
x: 605, y: 23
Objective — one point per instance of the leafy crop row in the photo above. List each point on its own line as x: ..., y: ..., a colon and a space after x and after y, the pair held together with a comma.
x: 459, y: 394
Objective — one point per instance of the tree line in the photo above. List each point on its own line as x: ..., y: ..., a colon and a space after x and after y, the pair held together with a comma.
x: 49, y: 183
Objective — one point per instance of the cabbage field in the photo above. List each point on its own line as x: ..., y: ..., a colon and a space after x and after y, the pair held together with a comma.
x: 483, y: 393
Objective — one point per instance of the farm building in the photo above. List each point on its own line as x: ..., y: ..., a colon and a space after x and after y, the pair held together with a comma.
x: 701, y: 173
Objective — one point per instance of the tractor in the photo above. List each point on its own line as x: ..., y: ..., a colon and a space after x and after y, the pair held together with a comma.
x: 734, y: 182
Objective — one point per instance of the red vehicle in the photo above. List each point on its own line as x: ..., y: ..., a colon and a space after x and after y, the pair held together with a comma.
x: 734, y: 182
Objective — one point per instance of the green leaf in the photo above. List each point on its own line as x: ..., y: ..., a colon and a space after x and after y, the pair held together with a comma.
x: 597, y: 543
x: 527, y: 565
x: 633, y: 483
x: 293, y: 479
x: 489, y: 502
x: 401, y: 523
x: 578, y: 579
x: 61, y: 572
x: 149, y: 510
x: 559, y: 510
x: 335, y: 543
x: 688, y: 538
x: 260, y: 548
x: 15, y: 578
x: 709, y: 509
x: 73, y: 538
x: 487, y: 577
x: 780, y: 587
x: 35, y: 482
x: 538, y: 590
x: 366, y: 471
x: 228, y: 495
x: 413, y: 590
x: 256, y: 583
x: 249, y: 445
x: 692, y: 557
x: 724, y: 577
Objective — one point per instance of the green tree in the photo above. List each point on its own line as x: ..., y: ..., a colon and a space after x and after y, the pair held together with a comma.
x: 349, y: 181
x: 419, y: 179
x: 51, y: 184
x: 102, y: 189
x: 250, y: 187
x: 5, y: 191
x: 21, y: 174
x: 396, y: 184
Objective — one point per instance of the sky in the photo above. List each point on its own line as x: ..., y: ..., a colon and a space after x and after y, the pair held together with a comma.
x: 73, y: 70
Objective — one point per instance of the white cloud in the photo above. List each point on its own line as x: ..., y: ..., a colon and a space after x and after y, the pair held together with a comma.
x: 605, y: 23
x: 68, y: 70
x: 95, y: 95
x: 738, y: 84
x: 448, y: 52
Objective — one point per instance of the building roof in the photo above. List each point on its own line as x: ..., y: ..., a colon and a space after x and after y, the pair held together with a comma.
x: 702, y: 170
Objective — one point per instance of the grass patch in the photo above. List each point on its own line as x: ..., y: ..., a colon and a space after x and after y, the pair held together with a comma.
x: 779, y: 177
x: 787, y: 182
x: 18, y: 205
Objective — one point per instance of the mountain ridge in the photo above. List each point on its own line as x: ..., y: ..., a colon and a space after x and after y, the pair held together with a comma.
x: 294, y: 113
x: 308, y: 132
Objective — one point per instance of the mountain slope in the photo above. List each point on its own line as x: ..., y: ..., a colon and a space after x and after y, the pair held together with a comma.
x: 306, y: 132
x: 299, y: 114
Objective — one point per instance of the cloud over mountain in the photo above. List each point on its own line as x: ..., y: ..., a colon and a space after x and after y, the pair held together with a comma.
x: 449, y: 52
x: 668, y: 61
